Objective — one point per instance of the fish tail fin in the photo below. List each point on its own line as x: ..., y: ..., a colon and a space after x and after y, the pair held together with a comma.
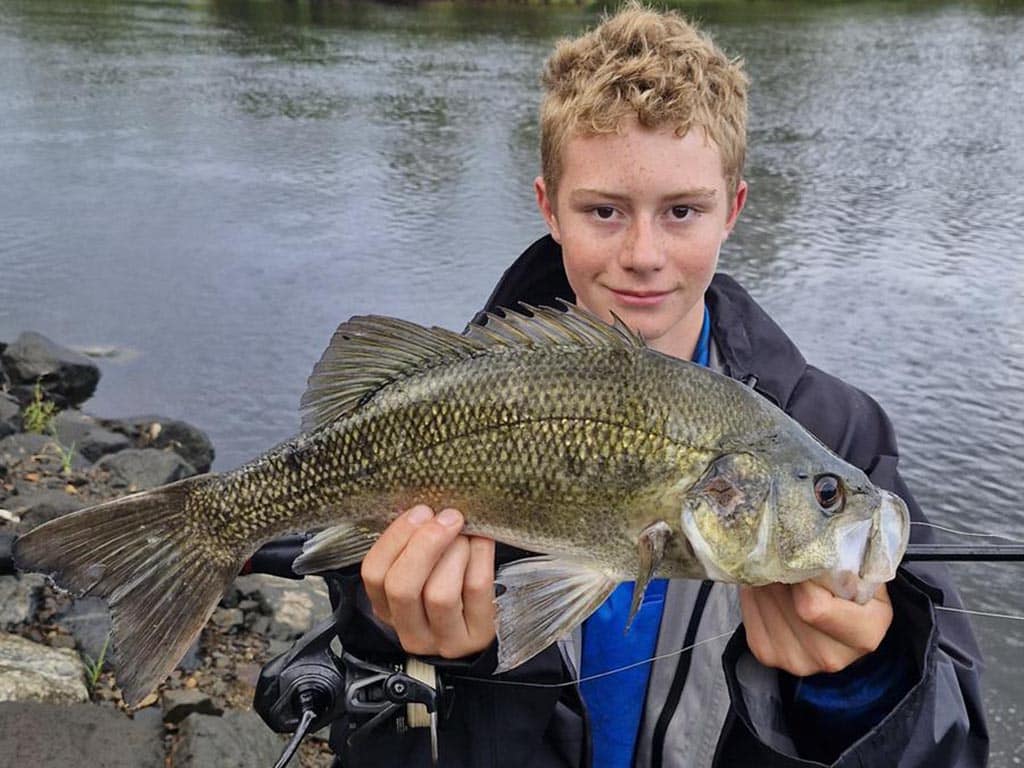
x: 141, y: 554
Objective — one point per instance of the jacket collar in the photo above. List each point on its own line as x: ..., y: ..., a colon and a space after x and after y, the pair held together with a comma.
x: 752, y: 347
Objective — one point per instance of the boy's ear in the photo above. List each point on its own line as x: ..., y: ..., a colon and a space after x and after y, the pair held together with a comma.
x: 735, y: 206
x: 546, y: 204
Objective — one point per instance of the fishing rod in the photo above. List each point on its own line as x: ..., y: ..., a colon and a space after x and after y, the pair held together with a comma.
x: 960, y: 553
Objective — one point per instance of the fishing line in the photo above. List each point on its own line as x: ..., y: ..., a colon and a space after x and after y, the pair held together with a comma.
x: 967, y: 533
x: 597, y: 676
x: 680, y: 651
x: 978, y: 613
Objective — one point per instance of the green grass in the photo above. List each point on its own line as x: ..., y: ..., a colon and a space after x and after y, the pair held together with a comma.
x: 94, y: 667
x: 38, y: 415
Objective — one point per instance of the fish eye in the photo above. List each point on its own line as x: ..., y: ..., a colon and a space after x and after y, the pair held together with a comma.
x: 828, y: 490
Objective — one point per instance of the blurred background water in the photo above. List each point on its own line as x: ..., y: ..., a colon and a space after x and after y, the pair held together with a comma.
x: 211, y: 187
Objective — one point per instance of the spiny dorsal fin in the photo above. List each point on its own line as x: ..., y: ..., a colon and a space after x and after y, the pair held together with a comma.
x: 368, y: 353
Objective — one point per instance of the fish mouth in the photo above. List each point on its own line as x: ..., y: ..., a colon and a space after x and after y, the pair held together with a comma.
x: 869, y: 551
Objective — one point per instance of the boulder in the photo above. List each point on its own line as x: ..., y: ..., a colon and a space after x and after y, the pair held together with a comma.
x: 293, y: 606
x: 28, y: 449
x: 10, y: 415
x: 15, y: 449
x: 60, y: 371
x: 87, y: 435
x: 7, y: 538
x: 33, y: 672
x: 189, y: 442
x: 19, y: 597
x: 239, y: 739
x: 41, y: 505
x: 141, y: 468
x: 88, y: 620
x: 228, y: 619
x: 183, y: 702
x: 51, y: 736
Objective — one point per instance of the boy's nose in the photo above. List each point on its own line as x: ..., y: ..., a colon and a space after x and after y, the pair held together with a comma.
x: 641, y: 251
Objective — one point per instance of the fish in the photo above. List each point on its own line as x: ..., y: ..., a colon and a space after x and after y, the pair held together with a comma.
x: 550, y: 430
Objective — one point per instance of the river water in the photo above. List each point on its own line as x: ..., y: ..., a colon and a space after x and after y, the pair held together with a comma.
x: 210, y: 188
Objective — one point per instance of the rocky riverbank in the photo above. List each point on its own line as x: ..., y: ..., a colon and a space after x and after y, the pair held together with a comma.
x: 59, y: 704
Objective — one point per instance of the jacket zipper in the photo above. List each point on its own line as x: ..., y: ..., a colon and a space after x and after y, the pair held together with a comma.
x: 679, y: 679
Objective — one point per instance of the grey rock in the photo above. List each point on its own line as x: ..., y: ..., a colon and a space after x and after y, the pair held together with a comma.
x: 62, y: 641
x: 230, y: 597
x: 88, y: 620
x: 86, y: 434
x: 52, y: 736
x: 228, y: 618
x: 293, y: 606
x: 239, y: 739
x: 10, y: 415
x: 142, y: 468
x: 179, y: 704
x: 19, y: 597
x: 249, y: 606
x: 24, y: 445
x: 189, y: 442
x: 59, y: 370
x: 40, y: 505
x: 33, y: 672
x: 259, y: 625
x: 191, y: 661
x: 7, y: 538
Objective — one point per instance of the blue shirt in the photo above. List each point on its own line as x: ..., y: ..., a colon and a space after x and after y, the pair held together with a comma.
x: 615, y: 703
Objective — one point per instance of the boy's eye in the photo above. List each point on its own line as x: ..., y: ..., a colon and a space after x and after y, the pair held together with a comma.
x: 604, y: 211
x: 681, y: 211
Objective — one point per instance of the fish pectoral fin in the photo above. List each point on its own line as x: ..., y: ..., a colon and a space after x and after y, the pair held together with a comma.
x: 335, y: 547
x: 541, y: 600
x: 651, y: 546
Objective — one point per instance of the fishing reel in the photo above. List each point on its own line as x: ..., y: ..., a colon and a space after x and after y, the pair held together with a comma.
x: 317, y: 682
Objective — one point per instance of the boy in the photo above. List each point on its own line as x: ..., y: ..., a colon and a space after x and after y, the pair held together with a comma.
x: 643, y: 134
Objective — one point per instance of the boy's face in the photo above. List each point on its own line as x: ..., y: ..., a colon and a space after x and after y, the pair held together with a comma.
x: 640, y: 217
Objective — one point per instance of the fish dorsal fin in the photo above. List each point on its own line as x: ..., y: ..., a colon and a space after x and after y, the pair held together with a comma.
x: 566, y: 325
x: 369, y: 352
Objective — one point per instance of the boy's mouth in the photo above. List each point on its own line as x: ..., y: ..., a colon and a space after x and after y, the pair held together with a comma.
x: 639, y: 298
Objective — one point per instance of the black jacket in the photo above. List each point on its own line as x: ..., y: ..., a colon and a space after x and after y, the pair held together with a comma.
x: 940, y: 721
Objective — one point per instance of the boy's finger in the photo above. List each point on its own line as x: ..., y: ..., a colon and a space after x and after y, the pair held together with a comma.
x: 478, y: 591
x: 860, y: 627
x: 385, y: 551
x: 404, y: 582
x: 442, y: 600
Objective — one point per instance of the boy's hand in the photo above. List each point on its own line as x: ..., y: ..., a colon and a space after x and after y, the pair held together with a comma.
x: 805, y: 629
x: 434, y: 587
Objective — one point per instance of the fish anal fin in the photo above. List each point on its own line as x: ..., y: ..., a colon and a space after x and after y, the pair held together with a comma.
x: 543, y: 600
x: 651, y: 550
x: 335, y: 547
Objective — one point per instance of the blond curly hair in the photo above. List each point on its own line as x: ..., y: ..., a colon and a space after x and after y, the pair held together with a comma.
x: 651, y: 66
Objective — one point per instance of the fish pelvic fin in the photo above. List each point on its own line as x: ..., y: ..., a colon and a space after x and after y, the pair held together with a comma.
x: 541, y: 600
x: 138, y: 553
x: 651, y: 549
x: 335, y: 547
x: 367, y: 353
